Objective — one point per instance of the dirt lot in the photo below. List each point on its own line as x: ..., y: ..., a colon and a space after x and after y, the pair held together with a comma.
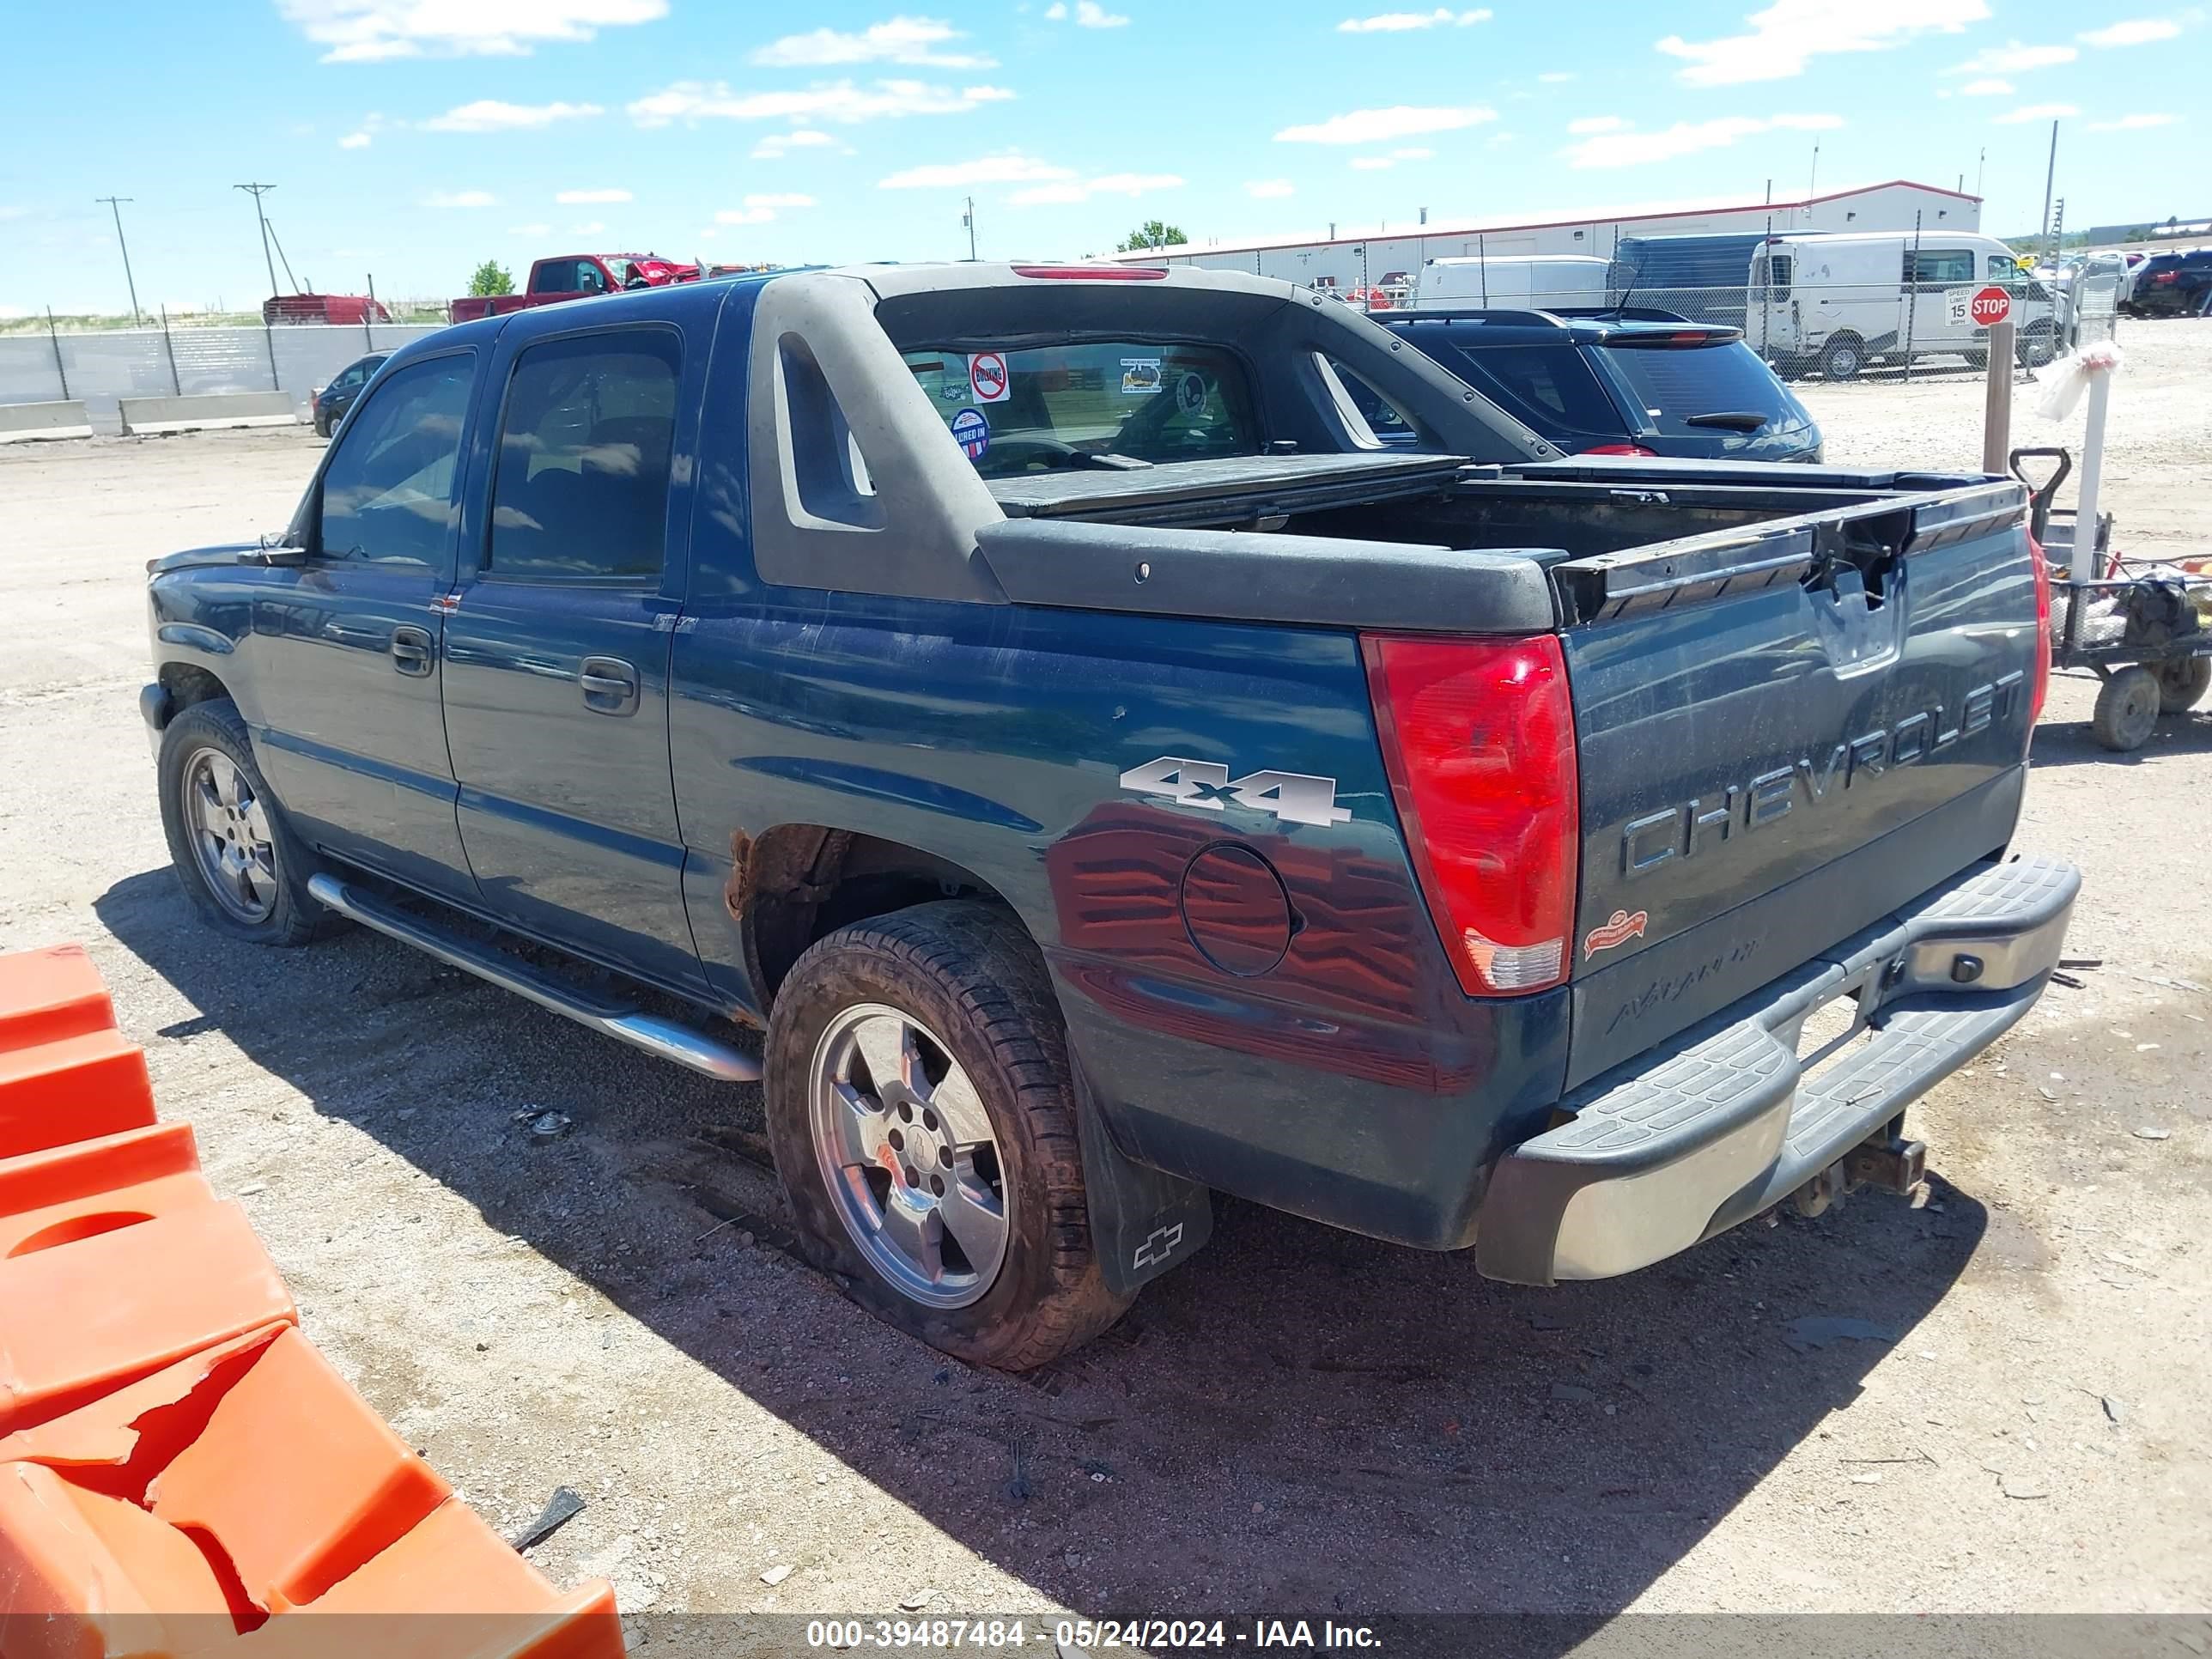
x: 1299, y: 1420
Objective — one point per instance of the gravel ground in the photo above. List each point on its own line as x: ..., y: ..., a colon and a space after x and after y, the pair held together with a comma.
x: 1300, y: 1420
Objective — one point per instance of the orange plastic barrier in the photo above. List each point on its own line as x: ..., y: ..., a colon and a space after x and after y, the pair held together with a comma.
x: 182, y: 1476
x: 67, y: 1193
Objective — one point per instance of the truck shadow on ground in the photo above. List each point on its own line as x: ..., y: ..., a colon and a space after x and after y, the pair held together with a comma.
x: 2074, y: 742
x: 1299, y: 1421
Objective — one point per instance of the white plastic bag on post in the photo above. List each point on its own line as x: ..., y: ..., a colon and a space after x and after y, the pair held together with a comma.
x: 2070, y: 378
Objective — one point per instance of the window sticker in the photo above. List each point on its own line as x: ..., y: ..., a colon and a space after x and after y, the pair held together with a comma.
x: 987, y: 377
x: 971, y: 428
x: 1190, y: 393
x: 1141, y: 376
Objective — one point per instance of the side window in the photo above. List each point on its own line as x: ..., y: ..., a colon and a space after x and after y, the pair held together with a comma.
x: 387, y: 496
x: 1388, y: 423
x: 1944, y: 266
x: 555, y: 276
x: 581, y: 493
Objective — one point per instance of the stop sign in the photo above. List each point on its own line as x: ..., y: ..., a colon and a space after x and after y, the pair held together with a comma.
x: 1991, y: 307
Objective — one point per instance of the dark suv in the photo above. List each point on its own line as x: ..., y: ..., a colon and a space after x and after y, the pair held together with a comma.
x: 1635, y: 381
x: 334, y: 400
x: 2173, y: 285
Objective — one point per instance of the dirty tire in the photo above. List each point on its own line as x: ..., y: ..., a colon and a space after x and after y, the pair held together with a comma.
x: 2181, y: 685
x: 969, y: 973
x: 1841, y: 358
x: 294, y: 917
x: 2127, y: 709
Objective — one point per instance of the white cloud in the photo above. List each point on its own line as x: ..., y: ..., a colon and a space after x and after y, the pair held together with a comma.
x: 490, y: 115
x: 1590, y: 124
x: 590, y: 198
x: 354, y: 141
x: 2137, y: 32
x: 460, y: 199
x: 1555, y: 77
x: 2013, y: 59
x: 1270, y: 190
x: 836, y: 100
x: 2135, y: 122
x: 530, y: 230
x: 1012, y: 168
x: 901, y: 40
x: 1789, y: 34
x: 1082, y: 190
x: 363, y: 31
x: 783, y: 199
x: 779, y: 144
x: 1377, y: 126
x: 1089, y: 15
x: 1397, y: 22
x: 1628, y: 148
x: 2035, y: 113
x: 1989, y: 86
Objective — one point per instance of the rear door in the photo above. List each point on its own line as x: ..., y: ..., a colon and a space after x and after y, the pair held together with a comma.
x: 1785, y: 733
x: 557, y: 648
x: 349, y: 645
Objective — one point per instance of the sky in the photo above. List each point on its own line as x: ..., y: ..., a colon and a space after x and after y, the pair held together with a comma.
x: 412, y: 139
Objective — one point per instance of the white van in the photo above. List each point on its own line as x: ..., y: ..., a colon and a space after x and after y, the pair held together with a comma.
x: 1838, y: 301
x: 1532, y: 282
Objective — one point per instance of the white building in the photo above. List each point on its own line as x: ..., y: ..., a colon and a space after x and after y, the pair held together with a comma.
x: 1351, y: 261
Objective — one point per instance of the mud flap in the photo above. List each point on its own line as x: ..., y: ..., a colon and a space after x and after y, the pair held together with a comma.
x: 1143, y: 1221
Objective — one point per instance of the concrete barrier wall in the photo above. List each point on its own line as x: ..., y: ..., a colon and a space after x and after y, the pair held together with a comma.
x: 211, y: 408
x: 53, y: 420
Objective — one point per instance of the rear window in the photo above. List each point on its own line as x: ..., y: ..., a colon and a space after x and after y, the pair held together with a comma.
x: 1042, y: 408
x: 1675, y: 382
x: 1549, y: 387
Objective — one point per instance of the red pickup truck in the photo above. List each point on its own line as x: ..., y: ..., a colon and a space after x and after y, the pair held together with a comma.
x: 575, y: 276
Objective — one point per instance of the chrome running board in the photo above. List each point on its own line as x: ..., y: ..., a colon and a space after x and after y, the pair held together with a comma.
x: 667, y: 1038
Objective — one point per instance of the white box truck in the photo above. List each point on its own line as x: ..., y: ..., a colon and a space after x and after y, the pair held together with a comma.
x: 1532, y: 282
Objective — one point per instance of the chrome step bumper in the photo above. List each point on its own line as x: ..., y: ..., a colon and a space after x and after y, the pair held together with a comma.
x: 1722, y: 1123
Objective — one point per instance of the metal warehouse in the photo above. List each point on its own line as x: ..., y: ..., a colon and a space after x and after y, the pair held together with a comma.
x: 1354, y: 261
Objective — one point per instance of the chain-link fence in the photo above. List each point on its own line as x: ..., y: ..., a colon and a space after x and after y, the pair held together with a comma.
x: 100, y: 367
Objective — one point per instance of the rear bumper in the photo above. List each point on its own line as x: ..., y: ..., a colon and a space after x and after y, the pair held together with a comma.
x: 1721, y: 1124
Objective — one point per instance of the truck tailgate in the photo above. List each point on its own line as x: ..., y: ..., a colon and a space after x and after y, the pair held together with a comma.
x: 1784, y: 734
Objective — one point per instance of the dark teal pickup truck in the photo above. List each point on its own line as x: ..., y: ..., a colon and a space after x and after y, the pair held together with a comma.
x: 1110, y: 774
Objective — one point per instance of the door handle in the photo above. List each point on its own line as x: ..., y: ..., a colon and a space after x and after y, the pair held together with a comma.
x: 410, y: 650
x: 609, y: 685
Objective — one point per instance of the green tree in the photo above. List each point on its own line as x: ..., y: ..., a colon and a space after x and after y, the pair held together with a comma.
x: 491, y: 278
x: 1153, y: 232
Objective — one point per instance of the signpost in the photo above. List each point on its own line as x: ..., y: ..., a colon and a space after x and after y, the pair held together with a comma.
x: 1991, y: 308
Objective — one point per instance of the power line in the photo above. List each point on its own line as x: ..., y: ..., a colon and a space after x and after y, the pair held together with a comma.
x: 256, y: 191
x: 114, y: 206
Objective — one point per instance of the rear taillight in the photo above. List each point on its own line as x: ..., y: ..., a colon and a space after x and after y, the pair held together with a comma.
x: 1622, y: 449
x: 2042, y: 633
x: 1478, y: 740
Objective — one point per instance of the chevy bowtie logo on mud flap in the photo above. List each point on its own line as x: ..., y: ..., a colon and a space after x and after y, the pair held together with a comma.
x: 1684, y: 831
x: 1294, y: 797
x: 1158, y: 1247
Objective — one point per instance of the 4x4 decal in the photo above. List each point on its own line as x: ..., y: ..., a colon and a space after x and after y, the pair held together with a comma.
x: 1294, y: 797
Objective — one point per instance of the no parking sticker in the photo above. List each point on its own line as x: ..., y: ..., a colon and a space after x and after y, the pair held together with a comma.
x: 986, y: 377
x: 972, y: 431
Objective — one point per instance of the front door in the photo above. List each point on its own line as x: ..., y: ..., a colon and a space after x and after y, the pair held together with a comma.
x: 557, y: 650
x: 351, y: 737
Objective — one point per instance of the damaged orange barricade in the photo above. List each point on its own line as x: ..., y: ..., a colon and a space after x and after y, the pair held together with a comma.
x: 181, y: 1472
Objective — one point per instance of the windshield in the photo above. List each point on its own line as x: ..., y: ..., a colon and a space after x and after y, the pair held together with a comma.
x: 1676, y: 382
x: 1041, y: 409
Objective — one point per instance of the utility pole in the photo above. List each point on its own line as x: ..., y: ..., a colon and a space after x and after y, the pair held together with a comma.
x: 1980, y: 161
x: 114, y: 206
x: 256, y: 191
x: 2050, y: 174
x: 1813, y: 180
x: 968, y: 219
x: 287, y: 264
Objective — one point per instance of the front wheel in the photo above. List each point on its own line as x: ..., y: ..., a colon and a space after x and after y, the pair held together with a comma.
x: 922, y: 1114
x: 235, y: 857
x: 2127, y: 709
